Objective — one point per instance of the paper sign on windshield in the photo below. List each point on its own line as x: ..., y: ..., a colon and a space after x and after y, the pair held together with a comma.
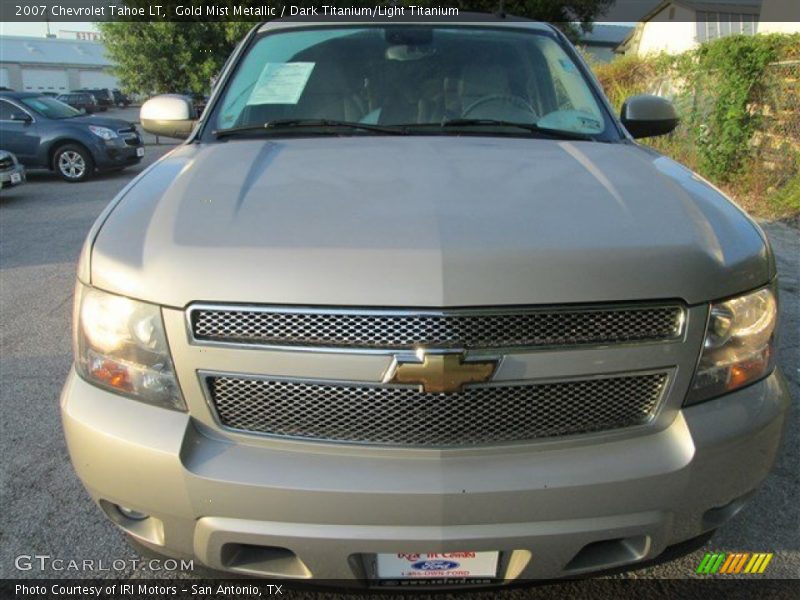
x: 281, y: 83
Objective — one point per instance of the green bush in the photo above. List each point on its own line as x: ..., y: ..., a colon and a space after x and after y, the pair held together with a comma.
x: 736, y: 66
x: 725, y: 91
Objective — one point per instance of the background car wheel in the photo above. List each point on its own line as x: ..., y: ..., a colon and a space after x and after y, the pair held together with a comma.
x: 73, y: 163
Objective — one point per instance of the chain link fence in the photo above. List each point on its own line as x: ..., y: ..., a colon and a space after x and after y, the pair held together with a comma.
x: 767, y: 176
x: 777, y: 143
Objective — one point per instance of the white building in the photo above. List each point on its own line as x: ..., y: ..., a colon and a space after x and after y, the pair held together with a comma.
x: 675, y: 26
x: 89, y: 36
x: 780, y: 16
x: 53, y: 65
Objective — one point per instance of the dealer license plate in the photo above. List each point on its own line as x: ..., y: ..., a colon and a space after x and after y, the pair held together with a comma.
x: 16, y: 178
x: 446, y: 565
x: 140, y: 152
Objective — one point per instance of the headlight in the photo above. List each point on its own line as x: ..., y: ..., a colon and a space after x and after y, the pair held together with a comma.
x: 120, y: 345
x: 103, y: 132
x: 739, y: 345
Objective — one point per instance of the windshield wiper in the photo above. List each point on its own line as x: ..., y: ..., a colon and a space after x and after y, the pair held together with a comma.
x: 532, y: 127
x: 269, y: 126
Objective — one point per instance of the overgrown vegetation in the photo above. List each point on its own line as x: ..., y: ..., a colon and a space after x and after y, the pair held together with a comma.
x: 739, y: 100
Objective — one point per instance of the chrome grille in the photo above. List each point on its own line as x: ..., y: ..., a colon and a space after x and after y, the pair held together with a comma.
x: 130, y: 136
x: 405, y: 416
x: 491, y: 328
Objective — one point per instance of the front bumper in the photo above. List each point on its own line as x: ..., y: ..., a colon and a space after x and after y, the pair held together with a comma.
x: 8, y: 179
x: 117, y: 153
x: 287, y: 511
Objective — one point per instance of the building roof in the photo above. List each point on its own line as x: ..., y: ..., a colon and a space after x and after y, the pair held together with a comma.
x: 733, y: 6
x: 605, y: 35
x: 737, y: 6
x: 52, y: 51
x: 629, y: 11
x: 748, y: 6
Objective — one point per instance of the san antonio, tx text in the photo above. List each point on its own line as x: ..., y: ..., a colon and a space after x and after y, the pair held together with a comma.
x: 129, y: 589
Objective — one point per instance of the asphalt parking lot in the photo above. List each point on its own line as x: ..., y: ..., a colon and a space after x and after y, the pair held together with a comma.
x: 46, y: 511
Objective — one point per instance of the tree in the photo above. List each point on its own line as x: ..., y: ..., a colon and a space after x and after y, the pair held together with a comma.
x: 164, y: 57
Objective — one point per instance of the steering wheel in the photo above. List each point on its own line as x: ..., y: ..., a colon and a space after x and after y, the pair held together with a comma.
x: 509, y: 99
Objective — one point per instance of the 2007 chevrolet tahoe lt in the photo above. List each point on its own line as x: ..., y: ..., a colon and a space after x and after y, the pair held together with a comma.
x: 410, y: 303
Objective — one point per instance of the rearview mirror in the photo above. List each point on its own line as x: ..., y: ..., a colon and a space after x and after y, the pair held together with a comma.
x: 648, y: 116
x: 170, y: 115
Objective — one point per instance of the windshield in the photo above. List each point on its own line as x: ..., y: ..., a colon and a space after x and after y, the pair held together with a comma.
x: 424, y: 76
x: 50, y: 107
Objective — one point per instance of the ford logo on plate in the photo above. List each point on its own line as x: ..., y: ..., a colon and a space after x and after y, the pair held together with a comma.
x: 435, y: 565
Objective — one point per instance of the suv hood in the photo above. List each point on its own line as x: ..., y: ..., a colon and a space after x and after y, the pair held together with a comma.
x: 424, y: 221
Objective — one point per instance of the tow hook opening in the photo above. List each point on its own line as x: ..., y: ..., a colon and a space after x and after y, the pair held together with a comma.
x: 270, y: 561
x: 606, y: 554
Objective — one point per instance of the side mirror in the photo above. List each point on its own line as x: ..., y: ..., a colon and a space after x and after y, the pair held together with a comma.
x: 21, y: 116
x: 648, y: 116
x: 170, y: 115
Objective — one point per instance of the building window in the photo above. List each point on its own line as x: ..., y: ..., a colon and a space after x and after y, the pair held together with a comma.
x: 713, y: 25
x: 724, y: 24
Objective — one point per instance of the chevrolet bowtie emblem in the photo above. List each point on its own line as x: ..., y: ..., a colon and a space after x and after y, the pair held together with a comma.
x: 439, y: 373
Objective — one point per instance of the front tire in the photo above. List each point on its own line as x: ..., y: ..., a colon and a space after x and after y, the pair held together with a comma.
x: 73, y: 163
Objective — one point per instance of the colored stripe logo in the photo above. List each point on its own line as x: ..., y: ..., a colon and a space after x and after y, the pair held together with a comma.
x: 732, y: 563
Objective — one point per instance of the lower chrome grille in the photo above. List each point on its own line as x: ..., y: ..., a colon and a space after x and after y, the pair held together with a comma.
x: 130, y: 135
x: 405, y: 416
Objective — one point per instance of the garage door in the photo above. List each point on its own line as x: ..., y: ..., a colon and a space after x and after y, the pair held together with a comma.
x: 97, y: 79
x: 44, y: 80
x: 4, y: 77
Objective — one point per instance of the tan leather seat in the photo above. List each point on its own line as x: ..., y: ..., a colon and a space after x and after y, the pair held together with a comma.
x: 413, y: 101
x: 480, y: 81
x: 329, y: 95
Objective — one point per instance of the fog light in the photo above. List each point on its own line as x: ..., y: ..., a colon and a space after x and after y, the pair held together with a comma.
x: 131, y: 514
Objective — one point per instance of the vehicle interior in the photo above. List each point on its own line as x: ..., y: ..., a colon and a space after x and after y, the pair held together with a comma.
x: 414, y: 75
